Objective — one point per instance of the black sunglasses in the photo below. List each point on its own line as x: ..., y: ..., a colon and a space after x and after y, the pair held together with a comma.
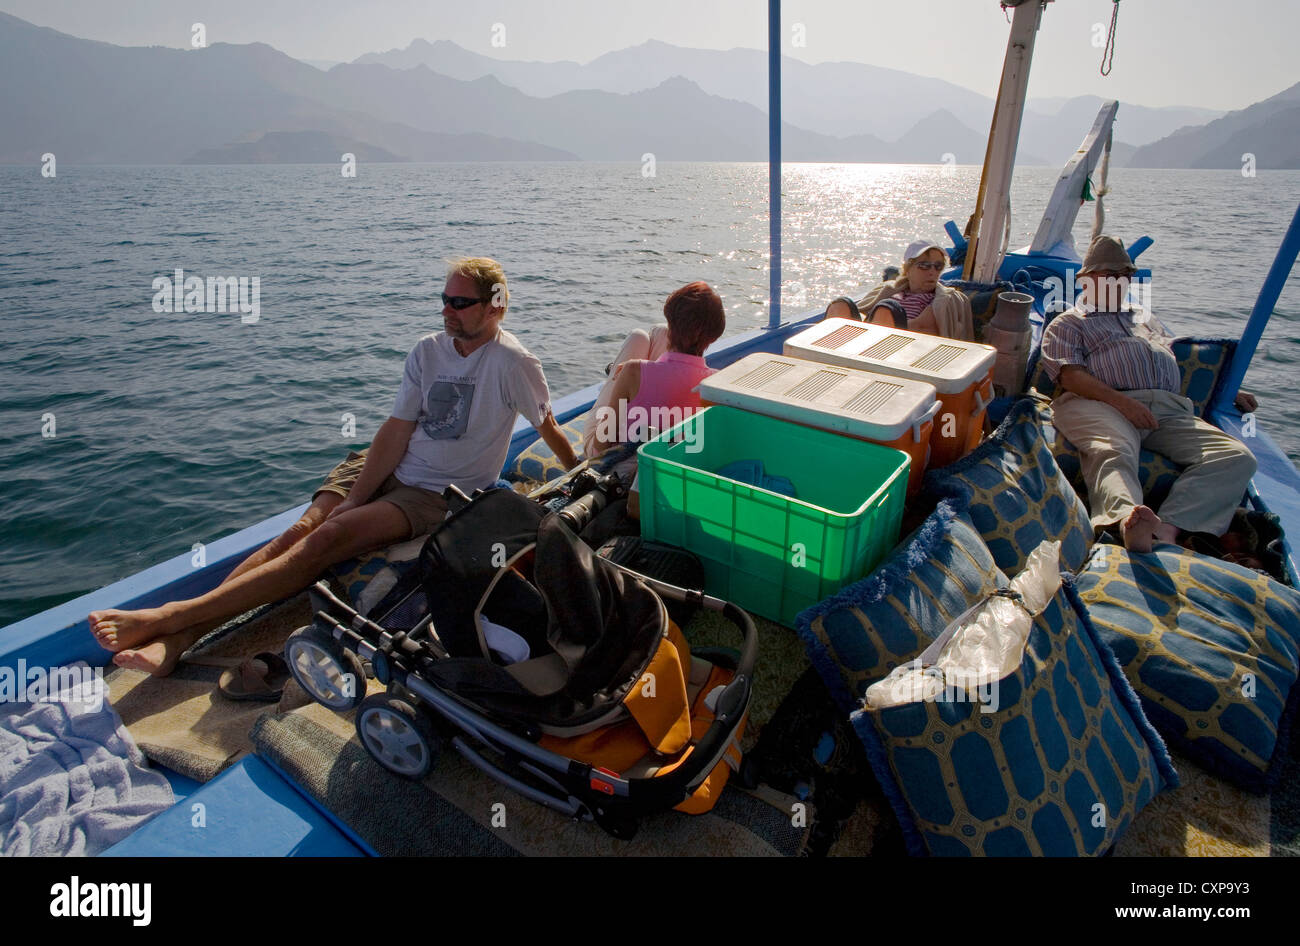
x: 460, y: 302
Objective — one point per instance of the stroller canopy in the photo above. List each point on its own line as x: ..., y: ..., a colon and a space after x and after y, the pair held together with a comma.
x: 591, y: 627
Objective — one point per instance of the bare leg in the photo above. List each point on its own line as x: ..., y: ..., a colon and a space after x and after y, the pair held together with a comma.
x: 112, y: 637
x: 882, y: 315
x: 839, y: 310
x: 321, y: 506
x: 160, y: 655
x: 367, y: 527
x: 639, y: 345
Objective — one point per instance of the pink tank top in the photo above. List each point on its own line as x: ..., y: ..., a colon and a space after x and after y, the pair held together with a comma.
x: 667, y: 383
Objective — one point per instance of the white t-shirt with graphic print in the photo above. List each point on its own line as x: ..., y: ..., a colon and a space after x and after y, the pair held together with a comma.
x: 465, y: 408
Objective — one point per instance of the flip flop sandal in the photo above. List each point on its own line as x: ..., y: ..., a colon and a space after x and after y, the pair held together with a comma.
x: 261, y: 678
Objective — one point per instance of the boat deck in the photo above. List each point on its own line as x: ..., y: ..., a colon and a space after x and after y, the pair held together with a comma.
x: 266, y: 812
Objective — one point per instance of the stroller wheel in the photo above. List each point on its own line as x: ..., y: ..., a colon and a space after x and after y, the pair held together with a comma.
x: 399, y: 738
x: 332, y: 675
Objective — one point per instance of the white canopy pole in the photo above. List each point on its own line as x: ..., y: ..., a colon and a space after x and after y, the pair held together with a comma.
x: 985, y: 253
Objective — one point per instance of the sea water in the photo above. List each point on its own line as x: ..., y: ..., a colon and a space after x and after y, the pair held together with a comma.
x: 130, y: 430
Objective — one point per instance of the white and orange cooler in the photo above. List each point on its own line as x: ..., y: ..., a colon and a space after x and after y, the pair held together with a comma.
x: 962, y: 372
x: 887, y: 410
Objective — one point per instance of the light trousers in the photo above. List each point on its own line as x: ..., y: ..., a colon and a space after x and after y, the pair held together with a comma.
x: 1218, y: 466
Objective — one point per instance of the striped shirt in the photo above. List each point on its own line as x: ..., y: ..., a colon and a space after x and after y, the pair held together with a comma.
x: 914, y: 303
x: 1129, y: 351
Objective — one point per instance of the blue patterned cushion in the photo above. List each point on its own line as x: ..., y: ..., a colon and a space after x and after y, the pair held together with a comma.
x: 1060, y: 766
x: 1019, y: 496
x: 356, y: 573
x: 1210, y: 647
x: 538, y: 463
x: 1201, y: 362
x: 857, y: 636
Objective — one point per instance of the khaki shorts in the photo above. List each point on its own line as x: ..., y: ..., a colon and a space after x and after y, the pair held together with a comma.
x: 423, y: 508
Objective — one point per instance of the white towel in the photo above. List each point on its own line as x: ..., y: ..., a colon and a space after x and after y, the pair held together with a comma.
x: 72, y: 780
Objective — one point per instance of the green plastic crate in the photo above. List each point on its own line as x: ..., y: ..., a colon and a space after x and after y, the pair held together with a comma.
x: 769, y: 553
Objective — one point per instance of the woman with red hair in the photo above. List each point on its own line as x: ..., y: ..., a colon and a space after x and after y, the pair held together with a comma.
x: 639, y: 391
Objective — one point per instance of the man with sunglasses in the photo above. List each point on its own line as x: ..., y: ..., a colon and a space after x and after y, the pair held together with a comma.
x: 451, y: 423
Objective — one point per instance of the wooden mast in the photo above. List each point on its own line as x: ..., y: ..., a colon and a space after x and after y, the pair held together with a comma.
x: 984, y: 254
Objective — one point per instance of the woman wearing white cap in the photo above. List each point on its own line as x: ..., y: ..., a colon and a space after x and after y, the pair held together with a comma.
x: 916, y: 300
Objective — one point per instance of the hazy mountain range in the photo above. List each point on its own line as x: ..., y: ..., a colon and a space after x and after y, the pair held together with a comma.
x: 1268, y: 130
x: 95, y: 103
x: 828, y: 98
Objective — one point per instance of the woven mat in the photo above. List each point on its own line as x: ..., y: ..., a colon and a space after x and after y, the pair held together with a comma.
x: 181, y: 720
x: 457, y: 810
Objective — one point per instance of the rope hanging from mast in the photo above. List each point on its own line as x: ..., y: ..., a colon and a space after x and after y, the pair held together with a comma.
x: 1099, y: 216
x: 1108, y: 54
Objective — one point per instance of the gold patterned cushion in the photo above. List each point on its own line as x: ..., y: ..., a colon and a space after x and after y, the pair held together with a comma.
x: 1212, y: 649
x: 538, y: 462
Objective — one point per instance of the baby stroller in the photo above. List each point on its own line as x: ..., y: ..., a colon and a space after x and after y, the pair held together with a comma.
x: 590, y: 702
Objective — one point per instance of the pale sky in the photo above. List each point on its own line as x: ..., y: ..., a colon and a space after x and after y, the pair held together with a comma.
x: 1209, y: 53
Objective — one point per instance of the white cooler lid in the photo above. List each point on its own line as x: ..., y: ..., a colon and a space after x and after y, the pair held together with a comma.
x: 860, y: 403
x: 950, y: 365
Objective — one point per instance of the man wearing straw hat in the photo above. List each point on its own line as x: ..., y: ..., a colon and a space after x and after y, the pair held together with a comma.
x: 1121, y: 382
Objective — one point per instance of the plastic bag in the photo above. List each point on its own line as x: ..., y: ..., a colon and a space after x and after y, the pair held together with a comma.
x: 980, y: 647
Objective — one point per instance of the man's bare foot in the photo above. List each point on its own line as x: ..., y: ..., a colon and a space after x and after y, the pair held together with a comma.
x: 118, y: 630
x: 1139, y: 529
x: 158, y: 657
x: 1143, y: 529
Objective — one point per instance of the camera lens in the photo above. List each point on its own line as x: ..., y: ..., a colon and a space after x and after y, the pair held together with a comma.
x: 578, y: 515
